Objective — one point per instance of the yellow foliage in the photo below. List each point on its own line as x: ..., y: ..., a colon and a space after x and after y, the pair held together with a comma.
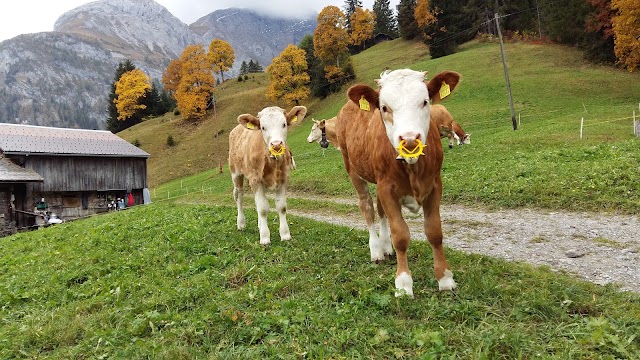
x: 362, y: 23
x: 626, y: 29
x: 196, y: 83
x: 221, y: 56
x: 130, y: 88
x: 171, y: 76
x: 330, y: 39
x: 288, y: 77
x: 333, y: 73
x: 424, y: 17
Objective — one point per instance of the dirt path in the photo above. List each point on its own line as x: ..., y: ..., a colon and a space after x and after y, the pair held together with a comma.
x: 601, y: 248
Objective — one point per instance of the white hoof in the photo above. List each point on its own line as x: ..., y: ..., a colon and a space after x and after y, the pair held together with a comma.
x: 265, y: 241
x: 404, y: 285
x: 446, y: 282
x: 377, y: 255
x: 285, y: 237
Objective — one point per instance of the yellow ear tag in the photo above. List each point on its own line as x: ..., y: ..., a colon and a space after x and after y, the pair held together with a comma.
x: 445, y: 90
x: 364, y: 104
x: 408, y: 154
x: 250, y: 126
x: 295, y: 118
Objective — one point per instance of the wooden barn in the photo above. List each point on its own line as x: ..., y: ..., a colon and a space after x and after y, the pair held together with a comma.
x: 78, y: 172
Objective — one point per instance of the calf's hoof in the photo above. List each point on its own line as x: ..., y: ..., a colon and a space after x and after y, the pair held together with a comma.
x: 446, y: 283
x: 404, y: 285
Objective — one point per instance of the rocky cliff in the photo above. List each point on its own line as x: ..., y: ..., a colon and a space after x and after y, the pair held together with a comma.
x: 62, y: 78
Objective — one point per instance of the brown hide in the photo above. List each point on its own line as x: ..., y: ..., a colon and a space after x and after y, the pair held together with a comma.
x: 363, y: 138
x: 249, y: 155
x: 369, y: 156
x: 458, y: 130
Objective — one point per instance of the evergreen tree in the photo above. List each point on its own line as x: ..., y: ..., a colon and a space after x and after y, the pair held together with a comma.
x: 407, y: 25
x: 318, y: 83
x: 349, y: 8
x: 385, y: 19
x: 113, y: 124
x: 450, y: 28
x: 244, y: 68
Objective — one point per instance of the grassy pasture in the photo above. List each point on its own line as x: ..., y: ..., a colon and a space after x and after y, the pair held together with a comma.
x: 543, y: 164
x: 180, y: 282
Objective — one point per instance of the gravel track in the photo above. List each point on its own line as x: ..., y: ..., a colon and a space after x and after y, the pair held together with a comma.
x: 601, y: 248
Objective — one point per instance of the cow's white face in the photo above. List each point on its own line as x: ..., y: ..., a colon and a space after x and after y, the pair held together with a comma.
x: 404, y: 106
x: 273, y: 123
x: 316, y: 132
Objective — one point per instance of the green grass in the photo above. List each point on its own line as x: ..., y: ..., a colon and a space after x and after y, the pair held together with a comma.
x: 543, y: 164
x: 180, y: 282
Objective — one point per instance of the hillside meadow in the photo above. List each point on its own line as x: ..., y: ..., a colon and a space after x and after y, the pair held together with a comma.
x: 181, y: 282
x: 543, y: 164
x: 176, y: 280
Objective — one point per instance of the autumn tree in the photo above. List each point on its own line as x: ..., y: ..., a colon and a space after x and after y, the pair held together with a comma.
x: 196, y: 83
x: 385, y: 20
x: 113, y: 124
x: 424, y: 15
x: 362, y: 23
x: 172, y: 75
x: 288, y: 76
x: 221, y: 56
x: 626, y: 27
x: 330, y: 39
x: 130, y: 89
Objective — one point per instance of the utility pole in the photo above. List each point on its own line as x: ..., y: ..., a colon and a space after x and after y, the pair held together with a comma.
x: 506, y: 75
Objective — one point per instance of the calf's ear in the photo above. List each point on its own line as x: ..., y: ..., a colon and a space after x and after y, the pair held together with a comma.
x: 249, y: 121
x: 296, y: 115
x: 361, y: 91
x: 443, y: 79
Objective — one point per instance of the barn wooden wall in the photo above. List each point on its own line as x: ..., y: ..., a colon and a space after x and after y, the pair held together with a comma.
x: 66, y: 173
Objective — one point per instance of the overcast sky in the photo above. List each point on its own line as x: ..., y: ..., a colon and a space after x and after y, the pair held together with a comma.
x: 31, y: 16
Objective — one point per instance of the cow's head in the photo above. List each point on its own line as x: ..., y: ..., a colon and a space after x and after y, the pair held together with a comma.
x: 274, y: 123
x: 316, y: 131
x: 403, y: 100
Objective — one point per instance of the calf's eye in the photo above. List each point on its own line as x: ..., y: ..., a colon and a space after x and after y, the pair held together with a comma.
x: 426, y: 102
x: 384, y: 108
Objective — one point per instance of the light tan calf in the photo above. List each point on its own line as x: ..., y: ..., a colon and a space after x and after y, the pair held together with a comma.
x: 448, y: 127
x: 329, y: 127
x: 381, y: 144
x: 258, y: 151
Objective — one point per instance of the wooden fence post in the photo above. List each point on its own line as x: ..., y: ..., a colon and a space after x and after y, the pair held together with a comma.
x: 581, y: 126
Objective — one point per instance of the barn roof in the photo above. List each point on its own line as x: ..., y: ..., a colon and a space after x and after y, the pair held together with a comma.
x: 34, y: 140
x: 10, y: 172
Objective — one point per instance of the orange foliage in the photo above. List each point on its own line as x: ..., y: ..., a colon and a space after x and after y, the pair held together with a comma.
x: 626, y: 29
x: 171, y: 76
x: 362, y: 23
x: 330, y: 39
x: 196, y: 83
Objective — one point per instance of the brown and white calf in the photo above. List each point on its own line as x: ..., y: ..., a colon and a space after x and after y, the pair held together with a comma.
x: 448, y: 127
x: 329, y: 127
x: 381, y: 146
x: 258, y: 151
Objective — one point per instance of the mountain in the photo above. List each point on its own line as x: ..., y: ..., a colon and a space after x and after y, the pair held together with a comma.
x: 63, y: 77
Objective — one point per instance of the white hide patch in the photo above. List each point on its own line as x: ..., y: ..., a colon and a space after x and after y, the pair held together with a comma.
x: 410, y: 203
x: 446, y: 282
x: 404, y: 285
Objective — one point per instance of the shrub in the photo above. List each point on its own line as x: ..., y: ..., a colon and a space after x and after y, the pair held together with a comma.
x: 176, y: 112
x: 170, y: 141
x: 135, y: 143
x: 239, y: 78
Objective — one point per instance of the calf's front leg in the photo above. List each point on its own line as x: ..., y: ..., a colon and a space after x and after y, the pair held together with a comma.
x: 262, y: 207
x: 433, y: 230
x: 281, y: 206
